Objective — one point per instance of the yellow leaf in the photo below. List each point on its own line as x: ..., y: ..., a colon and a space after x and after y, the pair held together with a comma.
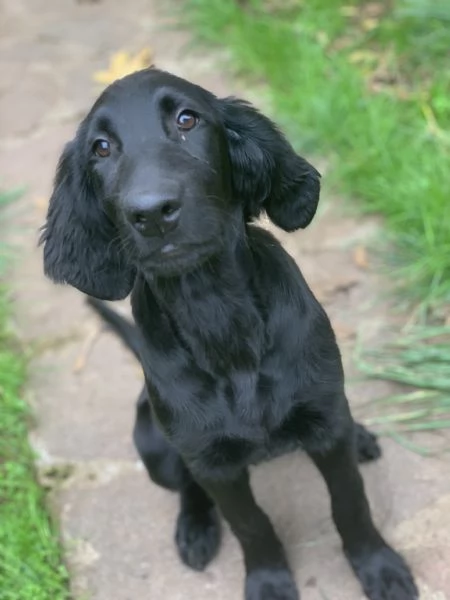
x: 369, y: 24
x: 360, y: 257
x: 362, y: 56
x: 41, y: 203
x: 123, y: 63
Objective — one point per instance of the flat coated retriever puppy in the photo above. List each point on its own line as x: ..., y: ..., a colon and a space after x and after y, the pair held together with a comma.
x: 156, y: 196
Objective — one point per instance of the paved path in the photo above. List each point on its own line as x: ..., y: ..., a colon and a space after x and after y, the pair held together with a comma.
x: 117, y: 527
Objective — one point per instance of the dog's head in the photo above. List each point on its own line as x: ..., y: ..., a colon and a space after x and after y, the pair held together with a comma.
x: 159, y: 173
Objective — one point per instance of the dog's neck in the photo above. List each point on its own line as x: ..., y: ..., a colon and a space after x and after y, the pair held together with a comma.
x: 207, y: 306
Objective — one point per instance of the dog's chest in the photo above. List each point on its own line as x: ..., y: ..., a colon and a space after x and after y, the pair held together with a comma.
x: 225, y: 418
x: 223, y: 395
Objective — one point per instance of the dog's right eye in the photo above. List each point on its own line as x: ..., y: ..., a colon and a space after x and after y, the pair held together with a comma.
x: 187, y: 120
x: 101, y: 148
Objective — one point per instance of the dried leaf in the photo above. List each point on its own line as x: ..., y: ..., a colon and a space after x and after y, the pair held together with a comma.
x: 123, y: 63
x: 86, y: 348
x: 369, y: 24
x: 359, y: 56
x: 41, y: 203
x: 360, y: 257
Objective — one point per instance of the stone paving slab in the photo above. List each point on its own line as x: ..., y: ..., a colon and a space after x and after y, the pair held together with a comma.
x: 116, y: 526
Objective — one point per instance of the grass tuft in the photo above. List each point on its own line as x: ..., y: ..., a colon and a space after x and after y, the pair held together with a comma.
x: 421, y: 361
x: 31, y: 565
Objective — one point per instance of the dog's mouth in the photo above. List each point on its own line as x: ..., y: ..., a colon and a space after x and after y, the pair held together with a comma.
x: 173, y: 259
x: 171, y: 250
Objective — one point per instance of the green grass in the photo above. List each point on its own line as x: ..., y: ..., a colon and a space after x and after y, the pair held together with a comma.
x: 419, y: 360
x: 31, y: 565
x: 370, y: 93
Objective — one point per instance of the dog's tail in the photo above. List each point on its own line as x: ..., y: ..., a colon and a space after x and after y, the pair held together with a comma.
x: 121, y: 326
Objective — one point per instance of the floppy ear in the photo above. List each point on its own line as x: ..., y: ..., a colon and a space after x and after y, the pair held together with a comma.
x: 81, y: 245
x: 267, y: 174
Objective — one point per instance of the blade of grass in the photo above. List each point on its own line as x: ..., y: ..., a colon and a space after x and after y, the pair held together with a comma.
x: 31, y: 566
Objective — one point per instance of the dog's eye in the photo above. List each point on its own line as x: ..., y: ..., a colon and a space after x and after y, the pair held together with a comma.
x: 187, y: 120
x: 101, y: 148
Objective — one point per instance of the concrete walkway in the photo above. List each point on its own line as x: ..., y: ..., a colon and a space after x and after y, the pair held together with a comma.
x: 117, y: 527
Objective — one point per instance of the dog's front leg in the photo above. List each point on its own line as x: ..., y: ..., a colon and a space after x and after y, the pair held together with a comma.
x: 382, y: 572
x: 268, y: 576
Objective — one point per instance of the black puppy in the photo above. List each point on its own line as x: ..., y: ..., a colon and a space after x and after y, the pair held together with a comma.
x: 155, y: 196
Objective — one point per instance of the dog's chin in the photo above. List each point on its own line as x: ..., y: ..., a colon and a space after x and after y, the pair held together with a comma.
x: 174, y: 262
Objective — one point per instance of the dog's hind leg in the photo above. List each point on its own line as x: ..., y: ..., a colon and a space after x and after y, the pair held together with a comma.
x: 198, y: 528
x: 367, y: 446
x: 163, y: 464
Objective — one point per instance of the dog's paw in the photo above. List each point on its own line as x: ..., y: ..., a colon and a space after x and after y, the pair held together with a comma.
x: 270, y: 584
x: 198, y: 538
x: 367, y: 445
x: 384, y: 575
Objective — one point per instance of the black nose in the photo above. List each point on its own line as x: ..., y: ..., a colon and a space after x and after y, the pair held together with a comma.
x: 153, y: 215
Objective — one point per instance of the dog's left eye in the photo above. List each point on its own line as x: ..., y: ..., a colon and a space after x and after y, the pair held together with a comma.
x: 101, y: 148
x: 187, y: 120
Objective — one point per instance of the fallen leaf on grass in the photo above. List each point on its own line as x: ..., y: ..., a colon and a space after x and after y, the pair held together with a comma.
x: 360, y: 257
x: 123, y: 63
x: 369, y: 24
x: 359, y: 56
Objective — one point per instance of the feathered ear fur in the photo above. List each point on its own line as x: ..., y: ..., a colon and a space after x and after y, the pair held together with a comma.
x: 81, y: 245
x: 267, y: 173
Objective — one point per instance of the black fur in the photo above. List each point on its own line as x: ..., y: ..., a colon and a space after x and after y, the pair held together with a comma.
x: 240, y: 360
